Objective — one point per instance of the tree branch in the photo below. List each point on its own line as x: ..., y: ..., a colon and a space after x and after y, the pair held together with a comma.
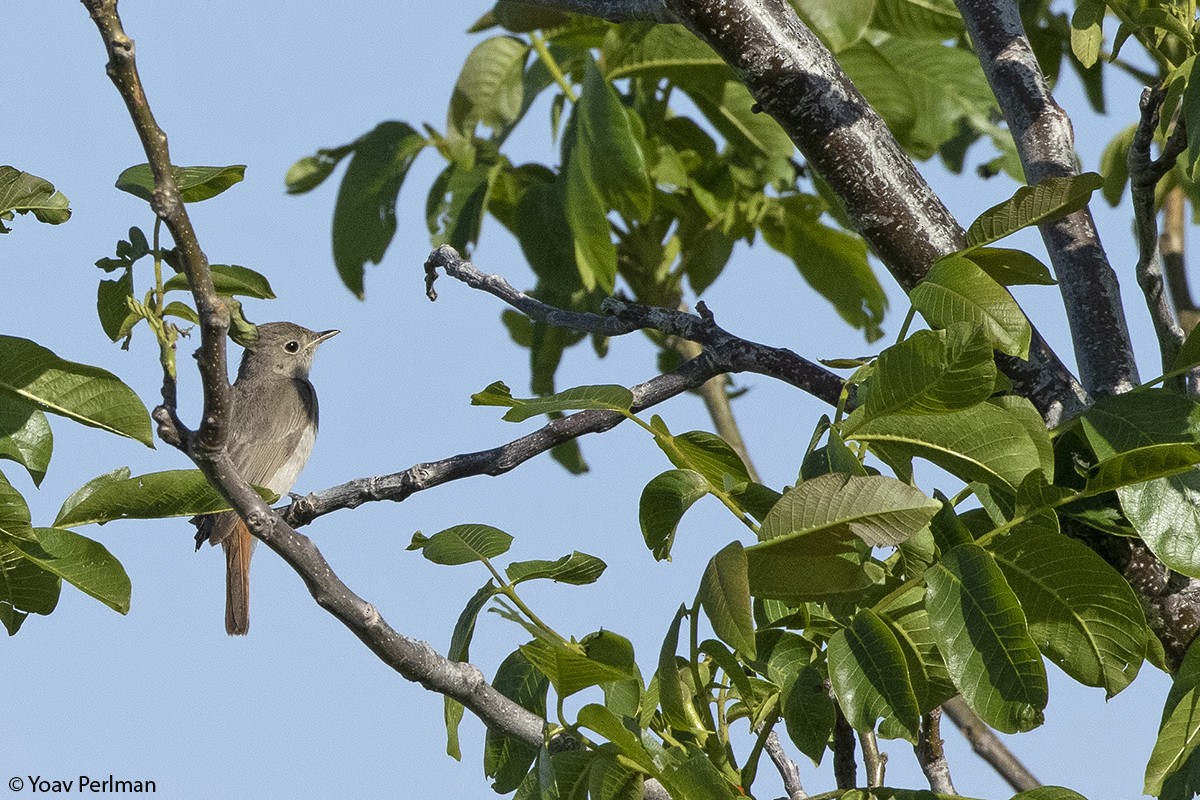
x: 1174, y: 263
x: 988, y: 746
x: 1045, y: 143
x: 1144, y: 174
x: 874, y: 761
x: 611, y: 10
x: 931, y: 755
x: 786, y: 766
x: 845, y: 771
x: 798, y: 82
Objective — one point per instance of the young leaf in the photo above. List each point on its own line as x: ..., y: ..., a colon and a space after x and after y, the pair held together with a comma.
x: 1083, y: 614
x: 1010, y: 267
x: 25, y: 193
x: 670, y: 687
x: 194, y: 183
x: 576, y: 569
x: 869, y: 674
x: 607, y: 397
x: 879, y: 510
x: 1086, y: 32
x: 957, y: 290
x: 1049, y: 200
x: 112, y: 306
x: 462, y: 544
x: 611, y: 155
x: 607, y: 724
x: 311, y: 171
x: 505, y: 757
x: 25, y: 436
x: 86, y: 394
x: 663, y: 503
x: 808, y: 711
x: 78, y: 560
x: 707, y: 454
x: 587, y: 219
x: 229, y: 279
x: 489, y: 89
x: 983, y: 636
x: 156, y: 495
x: 460, y: 650
x: 569, y: 668
x: 725, y: 597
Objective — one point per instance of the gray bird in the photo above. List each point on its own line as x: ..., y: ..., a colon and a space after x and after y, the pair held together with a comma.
x: 273, y: 424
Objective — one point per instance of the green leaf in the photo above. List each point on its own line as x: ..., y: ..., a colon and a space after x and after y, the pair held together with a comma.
x: 661, y: 51
x: 1081, y: 612
x: 25, y: 193
x: 1010, y: 267
x: 194, y: 183
x: 817, y: 566
x: 229, y: 279
x: 86, y: 394
x: 155, y: 495
x: 505, y: 757
x: 879, y: 510
x: 1164, y: 513
x: 112, y: 306
x: 1179, y: 730
x: 832, y: 261
x: 605, y: 397
x: 364, y: 219
x: 569, y: 667
x: 730, y: 108
x: 607, y: 149
x: 956, y: 290
x: 1189, y: 352
x: 587, y: 219
x: 1190, y: 113
x: 1087, y: 33
x: 460, y: 650
x: 577, y: 569
x: 1114, y: 165
x: 14, y: 511
x: 670, y: 687
x: 490, y: 89
x: 311, y: 171
x: 1048, y: 793
x: 78, y: 560
x: 707, y: 454
x: 663, y: 503
x: 838, y: 24
x: 607, y: 724
x: 1125, y: 422
x: 456, y: 203
x: 1048, y: 200
x: 985, y: 443
x: 1144, y: 464
x: 25, y: 588
x: 611, y: 779
x: 462, y: 544
x: 869, y: 674
x: 808, y: 711
x: 983, y: 636
x: 691, y: 774
x: 725, y: 597
x: 87, y: 489
x: 904, y: 612
x: 929, y: 19
x: 932, y: 372
x: 25, y: 437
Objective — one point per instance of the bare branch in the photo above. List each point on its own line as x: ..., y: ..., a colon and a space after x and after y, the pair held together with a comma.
x: 931, y: 755
x: 798, y: 82
x: 1174, y: 263
x: 786, y: 766
x: 874, y: 761
x: 611, y: 10
x: 1144, y: 174
x: 1045, y: 143
x: 988, y: 746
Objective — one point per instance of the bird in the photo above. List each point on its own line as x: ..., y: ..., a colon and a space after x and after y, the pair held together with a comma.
x: 272, y: 426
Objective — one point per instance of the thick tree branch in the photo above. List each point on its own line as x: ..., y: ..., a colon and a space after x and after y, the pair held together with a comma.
x: 798, y: 82
x: 1045, y: 143
x: 1174, y: 261
x: 1144, y: 174
x: 845, y: 771
x: 874, y: 761
x: 931, y: 754
x: 988, y: 746
x: 611, y: 10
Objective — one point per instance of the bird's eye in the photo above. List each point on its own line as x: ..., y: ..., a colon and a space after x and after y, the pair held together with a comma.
x: 292, y: 346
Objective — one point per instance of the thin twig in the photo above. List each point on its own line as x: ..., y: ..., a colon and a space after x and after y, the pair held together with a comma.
x: 988, y: 746
x: 874, y: 762
x: 931, y: 755
x: 1144, y: 174
x: 788, y: 770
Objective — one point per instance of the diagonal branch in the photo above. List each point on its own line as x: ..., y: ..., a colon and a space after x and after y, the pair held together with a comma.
x: 611, y: 10
x: 796, y: 80
x: 1144, y: 174
x: 1045, y: 143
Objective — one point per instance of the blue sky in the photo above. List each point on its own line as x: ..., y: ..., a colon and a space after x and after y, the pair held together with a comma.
x: 300, y: 708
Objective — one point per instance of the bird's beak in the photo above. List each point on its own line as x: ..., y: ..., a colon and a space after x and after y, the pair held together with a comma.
x: 323, y: 335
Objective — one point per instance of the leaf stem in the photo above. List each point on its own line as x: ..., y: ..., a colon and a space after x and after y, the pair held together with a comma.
x: 539, y: 45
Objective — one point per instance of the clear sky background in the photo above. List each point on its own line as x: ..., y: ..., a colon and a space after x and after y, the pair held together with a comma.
x: 300, y: 708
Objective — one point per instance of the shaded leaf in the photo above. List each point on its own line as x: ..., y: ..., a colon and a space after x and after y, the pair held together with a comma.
x: 229, y: 279
x: 25, y: 436
x: 983, y: 636
x: 505, y: 757
x: 932, y: 372
x: 1048, y: 200
x: 1179, y: 730
x: 869, y: 674
x: 23, y: 193
x: 725, y: 597
x: 1010, y: 267
x: 460, y: 650
x: 957, y: 290
x: 663, y: 503
x: 85, y: 564
x: 155, y: 495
